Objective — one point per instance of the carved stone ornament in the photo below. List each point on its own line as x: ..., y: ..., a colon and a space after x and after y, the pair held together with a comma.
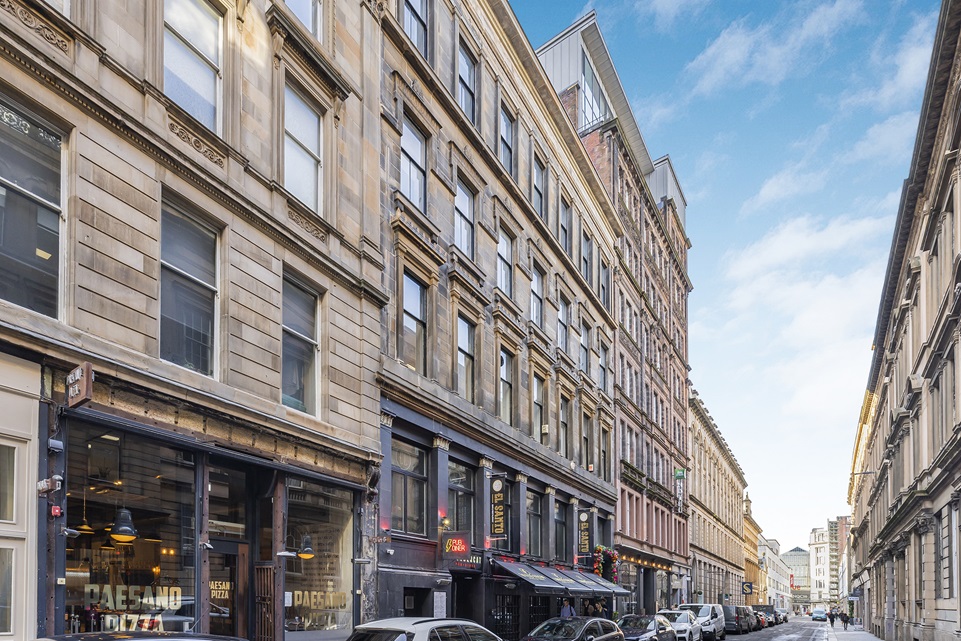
x: 387, y: 420
x: 441, y: 443
x: 33, y: 22
x: 194, y: 141
x: 923, y: 523
x: 308, y: 226
x: 955, y: 499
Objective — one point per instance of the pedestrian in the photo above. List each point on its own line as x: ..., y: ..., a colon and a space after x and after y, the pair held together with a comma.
x: 590, y: 608
x: 844, y: 619
x: 604, y: 610
x: 831, y: 617
x: 567, y: 610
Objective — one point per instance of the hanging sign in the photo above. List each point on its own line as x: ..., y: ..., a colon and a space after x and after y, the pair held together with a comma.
x: 498, y: 509
x: 80, y: 385
x: 584, y: 534
x: 455, y: 545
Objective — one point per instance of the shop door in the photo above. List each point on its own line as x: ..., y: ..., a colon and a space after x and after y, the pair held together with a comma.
x: 228, y: 589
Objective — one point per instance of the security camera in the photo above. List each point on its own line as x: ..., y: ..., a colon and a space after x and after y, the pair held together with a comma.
x: 70, y: 533
x: 206, y: 545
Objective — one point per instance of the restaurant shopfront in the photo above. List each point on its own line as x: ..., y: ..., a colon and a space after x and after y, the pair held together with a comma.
x: 168, y: 533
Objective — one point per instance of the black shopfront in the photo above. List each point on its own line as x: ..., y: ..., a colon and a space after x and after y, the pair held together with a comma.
x: 163, y: 530
x: 518, y: 527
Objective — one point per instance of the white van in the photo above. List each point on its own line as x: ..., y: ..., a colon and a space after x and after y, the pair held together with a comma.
x: 711, y: 618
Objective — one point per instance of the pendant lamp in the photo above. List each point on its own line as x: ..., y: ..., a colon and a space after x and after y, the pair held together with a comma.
x: 123, y: 530
x: 305, y: 551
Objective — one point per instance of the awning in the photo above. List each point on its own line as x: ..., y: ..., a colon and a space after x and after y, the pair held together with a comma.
x: 540, y: 583
x: 573, y: 587
x: 607, y: 585
x: 586, y: 583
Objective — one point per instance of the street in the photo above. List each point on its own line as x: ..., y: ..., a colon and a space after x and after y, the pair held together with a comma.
x: 803, y: 629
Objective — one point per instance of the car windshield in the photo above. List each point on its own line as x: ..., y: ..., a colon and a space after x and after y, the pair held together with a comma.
x: 637, y: 622
x: 701, y: 610
x: 559, y: 629
x: 818, y: 611
x: 675, y: 617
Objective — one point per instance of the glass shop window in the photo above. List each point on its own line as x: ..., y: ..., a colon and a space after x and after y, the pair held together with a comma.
x: 132, y: 502
x: 319, y: 573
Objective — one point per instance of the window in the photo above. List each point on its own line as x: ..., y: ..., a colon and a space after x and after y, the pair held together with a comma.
x: 534, y: 524
x: 564, y: 222
x: 605, y: 285
x: 408, y: 488
x: 29, y: 212
x: 310, y: 13
x: 538, y: 184
x: 585, y: 440
x: 464, y: 219
x: 605, y: 471
x: 415, y: 23
x: 563, y: 427
x: 303, y: 138
x: 188, y: 292
x: 413, y: 166
x: 537, y: 297
x: 507, y: 140
x: 505, y: 263
x: 593, y: 104
x: 466, y: 82
x: 585, y: 348
x: 413, y: 343
x: 6, y: 590
x: 192, y: 41
x: 465, y: 358
x: 563, y: 324
x: 460, y: 498
x: 602, y: 369
x: 538, y: 418
x: 561, y: 551
x: 299, y: 347
x: 587, y: 258
x: 505, y: 403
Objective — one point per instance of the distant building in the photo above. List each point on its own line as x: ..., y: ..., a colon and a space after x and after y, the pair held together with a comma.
x: 798, y: 561
x: 753, y: 573
x: 717, y: 513
x: 778, y: 573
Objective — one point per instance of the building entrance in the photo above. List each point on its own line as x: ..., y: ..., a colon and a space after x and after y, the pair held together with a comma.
x: 229, y: 571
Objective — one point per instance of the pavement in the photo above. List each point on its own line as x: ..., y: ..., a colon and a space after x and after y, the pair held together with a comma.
x: 838, y: 633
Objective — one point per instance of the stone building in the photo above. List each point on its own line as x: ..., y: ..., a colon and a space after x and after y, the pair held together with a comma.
x: 778, y: 573
x: 754, y: 572
x: 648, y: 358
x: 190, y: 303
x: 904, y: 488
x: 798, y: 561
x: 497, y: 417
x: 820, y: 568
x: 717, y: 513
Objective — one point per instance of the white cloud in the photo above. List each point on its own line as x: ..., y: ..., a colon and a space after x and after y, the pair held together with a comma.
x: 787, y: 183
x: 889, y: 141
x: 904, y: 72
x: 667, y: 12
x: 769, y: 53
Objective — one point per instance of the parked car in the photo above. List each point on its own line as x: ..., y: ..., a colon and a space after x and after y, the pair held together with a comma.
x: 783, y: 612
x: 752, y: 618
x: 761, y: 619
x: 736, y: 619
x: 422, y: 629
x: 647, y: 627
x: 711, y: 618
x: 770, y: 614
x: 819, y: 614
x: 684, y: 623
x: 570, y: 629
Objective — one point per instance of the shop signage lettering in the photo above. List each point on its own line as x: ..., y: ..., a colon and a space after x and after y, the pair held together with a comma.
x: 221, y: 589
x: 455, y: 545
x: 584, y: 534
x: 498, y: 500
x: 472, y: 562
x: 132, y: 597
x: 80, y: 385
x: 317, y: 600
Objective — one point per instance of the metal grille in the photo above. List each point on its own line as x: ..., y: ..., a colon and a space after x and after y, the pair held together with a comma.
x: 540, y: 610
x: 264, y: 602
x: 505, y: 622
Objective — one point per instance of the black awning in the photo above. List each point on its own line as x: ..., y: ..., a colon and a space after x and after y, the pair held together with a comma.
x: 586, y: 583
x: 559, y: 577
x: 607, y: 585
x: 526, y: 573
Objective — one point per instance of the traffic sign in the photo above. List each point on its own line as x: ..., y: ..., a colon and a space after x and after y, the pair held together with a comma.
x: 747, y: 587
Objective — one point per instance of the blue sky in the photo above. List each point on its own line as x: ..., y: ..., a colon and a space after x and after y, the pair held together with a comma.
x: 791, y: 126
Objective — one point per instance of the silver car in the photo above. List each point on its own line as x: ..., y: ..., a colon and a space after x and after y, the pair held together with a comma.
x: 421, y: 629
x: 685, y: 624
